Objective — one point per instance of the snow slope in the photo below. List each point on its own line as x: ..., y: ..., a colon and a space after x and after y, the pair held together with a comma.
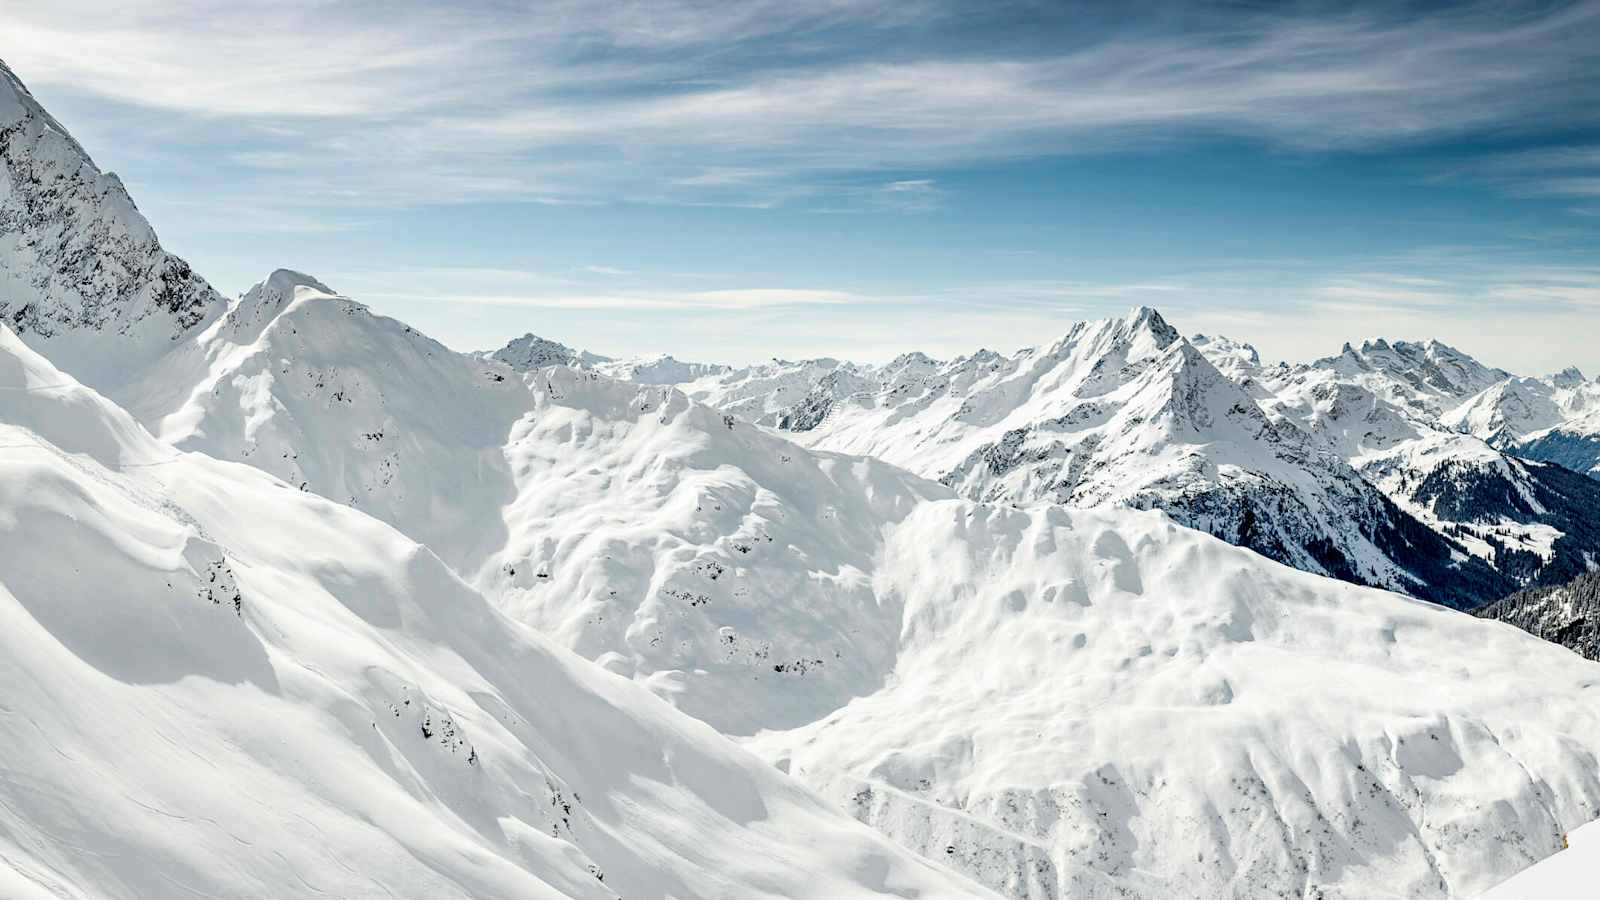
x: 215, y: 685
x: 721, y: 565
x: 1574, y: 444
x: 727, y: 568
x: 317, y: 390
x: 1569, y: 875
x: 1100, y: 703
x: 1509, y: 411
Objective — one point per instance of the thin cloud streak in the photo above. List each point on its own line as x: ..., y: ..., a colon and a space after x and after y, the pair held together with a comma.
x: 426, y: 104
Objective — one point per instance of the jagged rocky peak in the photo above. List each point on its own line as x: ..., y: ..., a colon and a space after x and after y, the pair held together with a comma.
x: 534, y: 352
x: 1428, y: 377
x: 1146, y: 320
x: 1570, y: 377
x: 1141, y: 334
x: 75, y: 253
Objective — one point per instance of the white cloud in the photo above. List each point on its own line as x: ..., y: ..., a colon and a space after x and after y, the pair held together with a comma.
x: 754, y: 104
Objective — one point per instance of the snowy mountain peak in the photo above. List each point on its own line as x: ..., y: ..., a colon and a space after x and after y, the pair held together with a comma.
x: 78, y: 260
x: 1234, y: 359
x: 1569, y: 377
x: 17, y: 104
x: 286, y: 282
x: 1147, y: 319
x: 1426, y: 378
x: 531, y: 352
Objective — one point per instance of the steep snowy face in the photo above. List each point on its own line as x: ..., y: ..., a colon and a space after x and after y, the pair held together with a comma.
x: 1465, y: 473
x: 216, y: 682
x: 317, y: 390
x: 1554, y: 419
x: 533, y: 352
x: 728, y: 569
x: 1099, y: 703
x: 1531, y: 523
x: 81, y: 272
x: 725, y: 567
x: 1120, y: 411
x: 1238, y: 361
x: 1513, y: 409
x: 1574, y: 444
x: 1424, y: 378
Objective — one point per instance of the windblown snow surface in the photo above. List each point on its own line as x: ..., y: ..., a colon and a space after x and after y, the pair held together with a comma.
x: 216, y: 685
x: 1105, y: 704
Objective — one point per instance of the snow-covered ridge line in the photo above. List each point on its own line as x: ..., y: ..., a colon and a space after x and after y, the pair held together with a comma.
x: 215, y: 681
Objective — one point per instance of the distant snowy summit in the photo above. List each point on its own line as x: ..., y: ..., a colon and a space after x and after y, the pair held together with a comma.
x: 531, y: 352
x: 1345, y: 466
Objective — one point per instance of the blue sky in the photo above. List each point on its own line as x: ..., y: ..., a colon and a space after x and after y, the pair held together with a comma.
x: 858, y: 178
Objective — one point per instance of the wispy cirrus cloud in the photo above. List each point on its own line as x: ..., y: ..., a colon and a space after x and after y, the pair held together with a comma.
x: 766, y: 102
x: 479, y: 286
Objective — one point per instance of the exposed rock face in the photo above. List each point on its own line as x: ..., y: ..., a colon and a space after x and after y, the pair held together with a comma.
x: 75, y: 253
x: 531, y: 352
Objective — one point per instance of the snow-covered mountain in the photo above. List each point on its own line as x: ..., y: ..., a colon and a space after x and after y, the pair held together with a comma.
x: 1342, y: 466
x: 530, y: 352
x: 82, y: 275
x: 1425, y: 378
x: 314, y: 388
x: 1053, y: 700
x: 216, y: 685
x: 659, y: 370
x: 1532, y: 522
x: 1555, y: 419
x: 533, y: 352
x: 1508, y: 412
x: 1574, y: 444
x: 1100, y: 703
x: 1118, y: 411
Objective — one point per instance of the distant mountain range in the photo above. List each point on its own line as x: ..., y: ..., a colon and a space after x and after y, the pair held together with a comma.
x: 1408, y: 466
